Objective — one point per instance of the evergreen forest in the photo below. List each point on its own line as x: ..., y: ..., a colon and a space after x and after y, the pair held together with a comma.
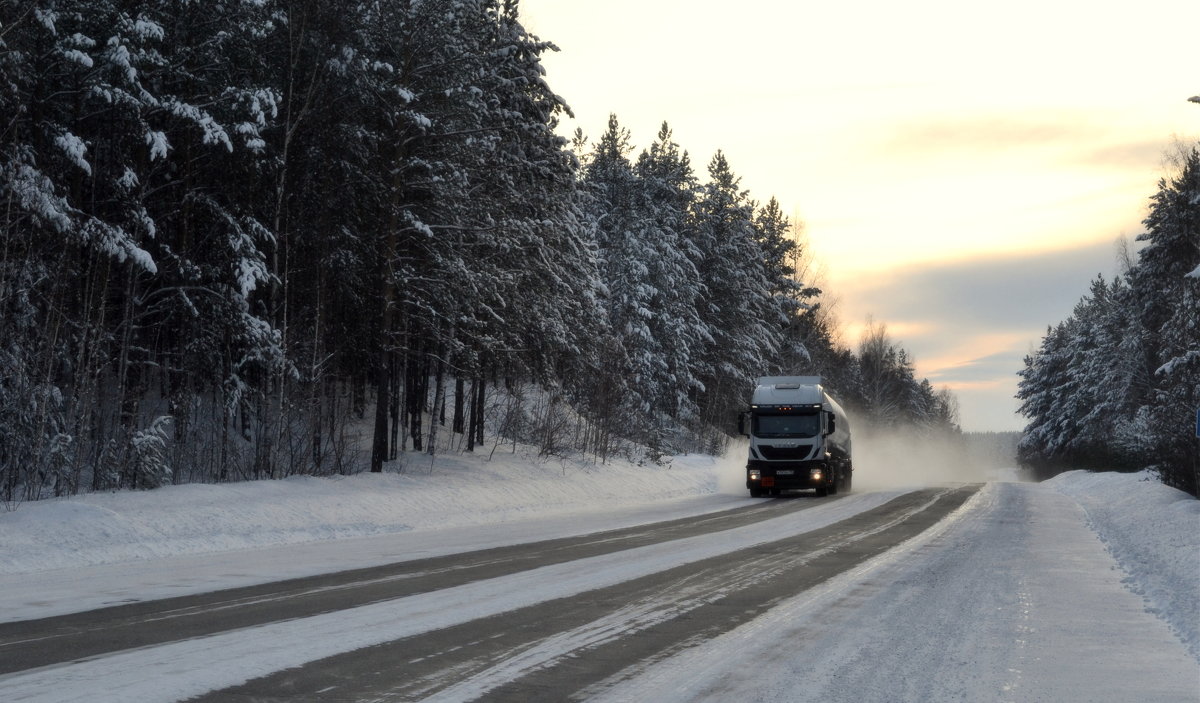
x: 1117, y: 384
x: 249, y: 239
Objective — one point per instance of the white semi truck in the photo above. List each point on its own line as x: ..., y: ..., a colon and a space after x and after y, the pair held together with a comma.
x: 799, y: 438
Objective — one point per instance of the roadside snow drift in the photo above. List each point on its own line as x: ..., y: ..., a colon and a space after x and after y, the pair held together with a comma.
x: 106, y: 528
x: 1153, y: 531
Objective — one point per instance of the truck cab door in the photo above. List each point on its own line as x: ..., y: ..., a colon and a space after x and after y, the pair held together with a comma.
x: 744, y: 424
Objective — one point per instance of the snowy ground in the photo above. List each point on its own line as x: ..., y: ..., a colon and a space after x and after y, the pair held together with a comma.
x: 196, y: 538
x: 1154, y: 533
x: 1076, y: 560
x: 1011, y: 599
x: 452, y: 493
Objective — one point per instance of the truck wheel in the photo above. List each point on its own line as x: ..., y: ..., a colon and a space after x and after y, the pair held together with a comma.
x: 848, y: 481
x: 822, y: 491
x: 756, y: 493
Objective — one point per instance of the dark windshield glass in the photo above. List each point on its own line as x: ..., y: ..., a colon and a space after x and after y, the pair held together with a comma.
x: 787, y: 425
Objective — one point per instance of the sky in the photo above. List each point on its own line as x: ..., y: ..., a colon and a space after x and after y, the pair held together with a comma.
x: 960, y: 170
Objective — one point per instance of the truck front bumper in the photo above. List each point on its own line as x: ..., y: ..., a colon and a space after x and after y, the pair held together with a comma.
x: 787, y: 475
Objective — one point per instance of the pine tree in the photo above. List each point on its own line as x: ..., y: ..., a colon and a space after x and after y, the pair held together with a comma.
x: 781, y: 252
x: 1167, y: 300
x: 669, y: 191
x: 738, y: 310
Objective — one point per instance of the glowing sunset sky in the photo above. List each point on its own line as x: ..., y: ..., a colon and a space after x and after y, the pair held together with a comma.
x: 962, y: 170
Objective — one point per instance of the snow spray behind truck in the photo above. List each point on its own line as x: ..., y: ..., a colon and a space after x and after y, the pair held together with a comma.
x: 799, y: 438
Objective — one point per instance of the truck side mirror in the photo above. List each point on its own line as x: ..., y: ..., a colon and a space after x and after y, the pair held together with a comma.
x: 832, y: 424
x: 742, y: 425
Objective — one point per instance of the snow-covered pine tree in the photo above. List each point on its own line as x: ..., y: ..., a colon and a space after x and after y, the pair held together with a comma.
x: 485, y: 263
x: 781, y: 252
x: 1078, y: 391
x: 337, y: 202
x: 52, y: 64
x: 1117, y: 384
x: 1166, y: 294
x: 740, y: 314
x: 208, y: 192
x: 1046, y: 383
x: 80, y: 150
x: 1098, y: 412
x: 669, y: 190
x: 555, y: 301
x: 624, y: 236
x: 34, y: 213
x: 328, y: 183
x: 773, y: 231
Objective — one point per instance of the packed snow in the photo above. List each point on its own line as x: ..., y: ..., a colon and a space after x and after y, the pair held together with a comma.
x: 1012, y: 598
x: 1153, y: 531
x: 431, y: 494
x: 1077, y: 559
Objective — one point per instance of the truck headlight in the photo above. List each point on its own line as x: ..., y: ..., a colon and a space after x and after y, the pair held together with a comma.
x: 755, y: 474
x: 816, y: 474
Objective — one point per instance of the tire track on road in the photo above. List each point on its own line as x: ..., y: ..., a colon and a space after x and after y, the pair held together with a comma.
x: 34, y: 643
x: 549, y: 650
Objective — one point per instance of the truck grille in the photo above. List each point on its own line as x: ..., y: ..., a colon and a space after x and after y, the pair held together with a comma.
x: 785, y: 453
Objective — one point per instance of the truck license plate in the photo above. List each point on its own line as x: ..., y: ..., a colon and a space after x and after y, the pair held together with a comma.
x: 784, y: 472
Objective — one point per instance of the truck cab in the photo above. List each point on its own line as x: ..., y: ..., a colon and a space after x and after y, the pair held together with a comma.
x: 799, y: 438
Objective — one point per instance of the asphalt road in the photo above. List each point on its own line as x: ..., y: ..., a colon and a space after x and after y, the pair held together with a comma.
x: 554, y: 650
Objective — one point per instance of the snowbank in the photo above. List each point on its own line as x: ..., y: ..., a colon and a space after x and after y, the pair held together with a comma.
x: 1153, y: 531
x: 451, y: 491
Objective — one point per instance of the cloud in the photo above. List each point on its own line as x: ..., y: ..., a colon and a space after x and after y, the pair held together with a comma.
x: 1066, y: 140
x: 995, y: 293
x: 987, y: 134
x: 981, y: 372
x: 970, y: 323
x: 1126, y: 156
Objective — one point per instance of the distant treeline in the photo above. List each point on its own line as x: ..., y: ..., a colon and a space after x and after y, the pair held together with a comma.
x: 248, y: 239
x: 1117, y: 385
x: 996, y: 450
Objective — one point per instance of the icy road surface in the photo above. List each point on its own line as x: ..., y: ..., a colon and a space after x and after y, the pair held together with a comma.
x: 1014, y: 599
x: 951, y: 594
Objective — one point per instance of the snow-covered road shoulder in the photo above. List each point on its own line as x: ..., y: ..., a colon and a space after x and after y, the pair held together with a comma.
x: 449, y: 492
x: 1153, y: 531
x: 68, y: 555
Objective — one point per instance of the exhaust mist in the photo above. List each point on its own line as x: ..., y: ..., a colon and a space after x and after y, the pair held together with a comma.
x: 897, y: 459
x: 888, y: 460
x: 731, y: 477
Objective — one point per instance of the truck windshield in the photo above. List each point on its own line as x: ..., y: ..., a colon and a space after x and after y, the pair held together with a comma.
x: 787, y: 425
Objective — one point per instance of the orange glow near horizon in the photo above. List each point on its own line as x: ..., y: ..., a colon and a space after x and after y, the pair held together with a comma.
x: 971, y: 385
x: 962, y: 355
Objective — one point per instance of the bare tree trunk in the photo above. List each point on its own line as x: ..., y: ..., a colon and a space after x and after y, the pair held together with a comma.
x: 384, y: 369
x: 459, y: 390
x: 477, y: 411
x: 439, y: 399
x: 473, y: 411
x: 418, y: 381
x: 394, y: 408
x: 383, y: 386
